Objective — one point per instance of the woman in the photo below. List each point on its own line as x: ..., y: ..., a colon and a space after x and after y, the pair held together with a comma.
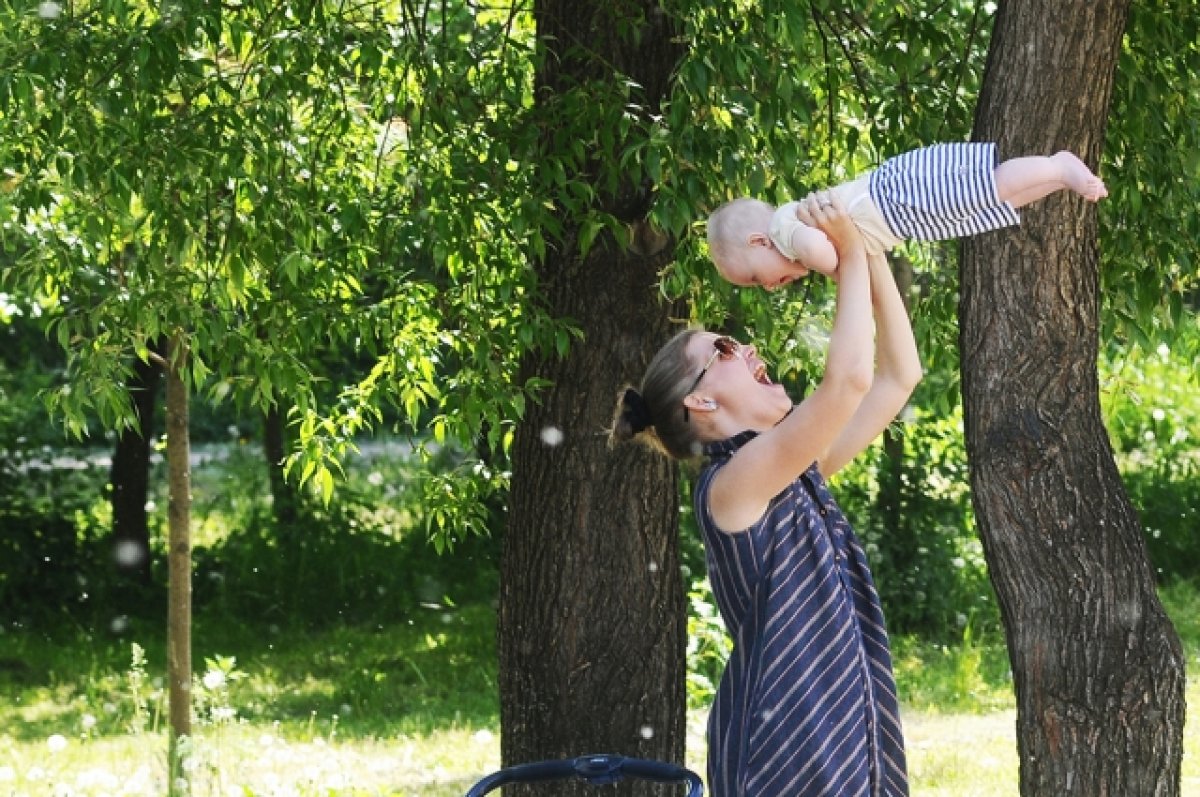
x: 807, y: 703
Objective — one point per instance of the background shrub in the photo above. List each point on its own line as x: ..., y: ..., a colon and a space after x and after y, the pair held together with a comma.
x: 1152, y: 407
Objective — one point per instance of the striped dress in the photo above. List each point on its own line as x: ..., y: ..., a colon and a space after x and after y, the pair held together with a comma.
x: 807, y: 703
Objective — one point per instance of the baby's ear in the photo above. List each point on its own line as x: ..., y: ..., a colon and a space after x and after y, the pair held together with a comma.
x: 759, y: 239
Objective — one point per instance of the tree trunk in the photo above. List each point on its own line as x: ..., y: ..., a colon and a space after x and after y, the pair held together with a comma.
x: 898, y: 535
x: 592, y: 621
x: 1098, y: 667
x: 179, y: 559
x: 285, y: 499
x: 130, y: 475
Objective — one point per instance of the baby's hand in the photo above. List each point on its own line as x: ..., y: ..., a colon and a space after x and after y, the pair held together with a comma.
x: 813, y: 248
x: 825, y: 212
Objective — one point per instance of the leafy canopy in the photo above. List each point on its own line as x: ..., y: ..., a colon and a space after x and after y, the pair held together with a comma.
x: 291, y: 183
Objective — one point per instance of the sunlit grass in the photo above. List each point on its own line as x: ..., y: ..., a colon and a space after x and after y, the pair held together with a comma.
x: 247, y: 759
x: 962, y: 754
x: 950, y: 755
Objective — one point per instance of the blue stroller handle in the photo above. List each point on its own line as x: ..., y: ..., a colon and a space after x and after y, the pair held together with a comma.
x: 598, y: 770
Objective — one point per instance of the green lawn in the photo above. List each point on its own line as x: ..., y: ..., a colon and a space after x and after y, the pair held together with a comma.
x: 409, y: 712
x: 950, y: 755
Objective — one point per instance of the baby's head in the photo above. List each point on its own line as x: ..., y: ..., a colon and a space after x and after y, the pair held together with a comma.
x: 730, y: 230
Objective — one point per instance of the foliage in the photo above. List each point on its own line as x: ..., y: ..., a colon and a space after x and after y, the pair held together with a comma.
x: 1151, y: 164
x: 55, y: 549
x: 1154, y: 420
x: 314, y: 190
x: 915, y: 519
x: 378, y: 202
x: 287, y: 216
x: 364, y: 557
x: 708, y: 648
x: 969, y: 673
x: 1181, y: 599
x: 28, y: 365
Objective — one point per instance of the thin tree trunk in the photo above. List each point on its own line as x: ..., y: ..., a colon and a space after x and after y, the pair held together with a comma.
x: 179, y: 559
x: 900, y: 539
x: 592, y: 622
x: 1098, y: 668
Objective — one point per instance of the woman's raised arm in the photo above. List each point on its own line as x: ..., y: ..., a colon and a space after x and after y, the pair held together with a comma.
x: 897, y: 371
x: 766, y: 465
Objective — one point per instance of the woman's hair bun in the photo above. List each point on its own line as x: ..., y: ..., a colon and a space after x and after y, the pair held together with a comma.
x: 636, y: 411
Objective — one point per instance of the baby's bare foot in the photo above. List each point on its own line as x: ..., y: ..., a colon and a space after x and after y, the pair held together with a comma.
x: 1079, y: 178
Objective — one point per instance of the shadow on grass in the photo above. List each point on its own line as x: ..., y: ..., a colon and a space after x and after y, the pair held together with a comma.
x: 435, y: 669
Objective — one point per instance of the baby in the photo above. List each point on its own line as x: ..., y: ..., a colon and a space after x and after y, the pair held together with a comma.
x: 928, y: 194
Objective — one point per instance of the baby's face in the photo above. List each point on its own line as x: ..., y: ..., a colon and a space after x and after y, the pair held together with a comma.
x: 762, y: 266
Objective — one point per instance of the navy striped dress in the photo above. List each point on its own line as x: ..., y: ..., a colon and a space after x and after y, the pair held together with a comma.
x: 807, y: 703
x: 941, y: 191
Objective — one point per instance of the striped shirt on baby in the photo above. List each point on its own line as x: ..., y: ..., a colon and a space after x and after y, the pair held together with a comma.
x: 934, y: 193
x: 941, y: 191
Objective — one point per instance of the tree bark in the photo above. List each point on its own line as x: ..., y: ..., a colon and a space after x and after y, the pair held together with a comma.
x: 898, y: 536
x: 179, y: 560
x: 592, y: 618
x: 1098, y: 667
x: 130, y: 475
x: 285, y: 499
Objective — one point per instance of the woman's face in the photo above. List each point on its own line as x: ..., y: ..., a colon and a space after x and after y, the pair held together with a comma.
x: 736, y: 380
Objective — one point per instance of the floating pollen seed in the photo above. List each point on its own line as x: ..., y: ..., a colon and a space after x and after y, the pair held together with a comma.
x: 646, y: 732
x: 49, y: 10
x: 129, y: 554
x: 552, y: 436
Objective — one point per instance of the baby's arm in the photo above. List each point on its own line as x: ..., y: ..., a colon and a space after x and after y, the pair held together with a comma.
x: 801, y: 243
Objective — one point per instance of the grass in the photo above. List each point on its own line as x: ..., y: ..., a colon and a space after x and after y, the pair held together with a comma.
x: 410, y: 710
x: 344, y: 681
x: 405, y: 704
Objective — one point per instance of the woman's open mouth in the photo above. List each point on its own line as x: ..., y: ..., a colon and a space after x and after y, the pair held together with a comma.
x: 760, y: 375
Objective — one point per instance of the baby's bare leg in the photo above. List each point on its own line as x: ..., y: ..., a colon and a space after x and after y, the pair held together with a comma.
x: 1020, y: 181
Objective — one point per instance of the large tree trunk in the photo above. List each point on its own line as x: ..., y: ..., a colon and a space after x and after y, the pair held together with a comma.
x: 592, y: 623
x: 1098, y: 668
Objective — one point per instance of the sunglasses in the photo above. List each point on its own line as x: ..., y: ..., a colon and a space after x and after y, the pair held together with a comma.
x: 724, y: 347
